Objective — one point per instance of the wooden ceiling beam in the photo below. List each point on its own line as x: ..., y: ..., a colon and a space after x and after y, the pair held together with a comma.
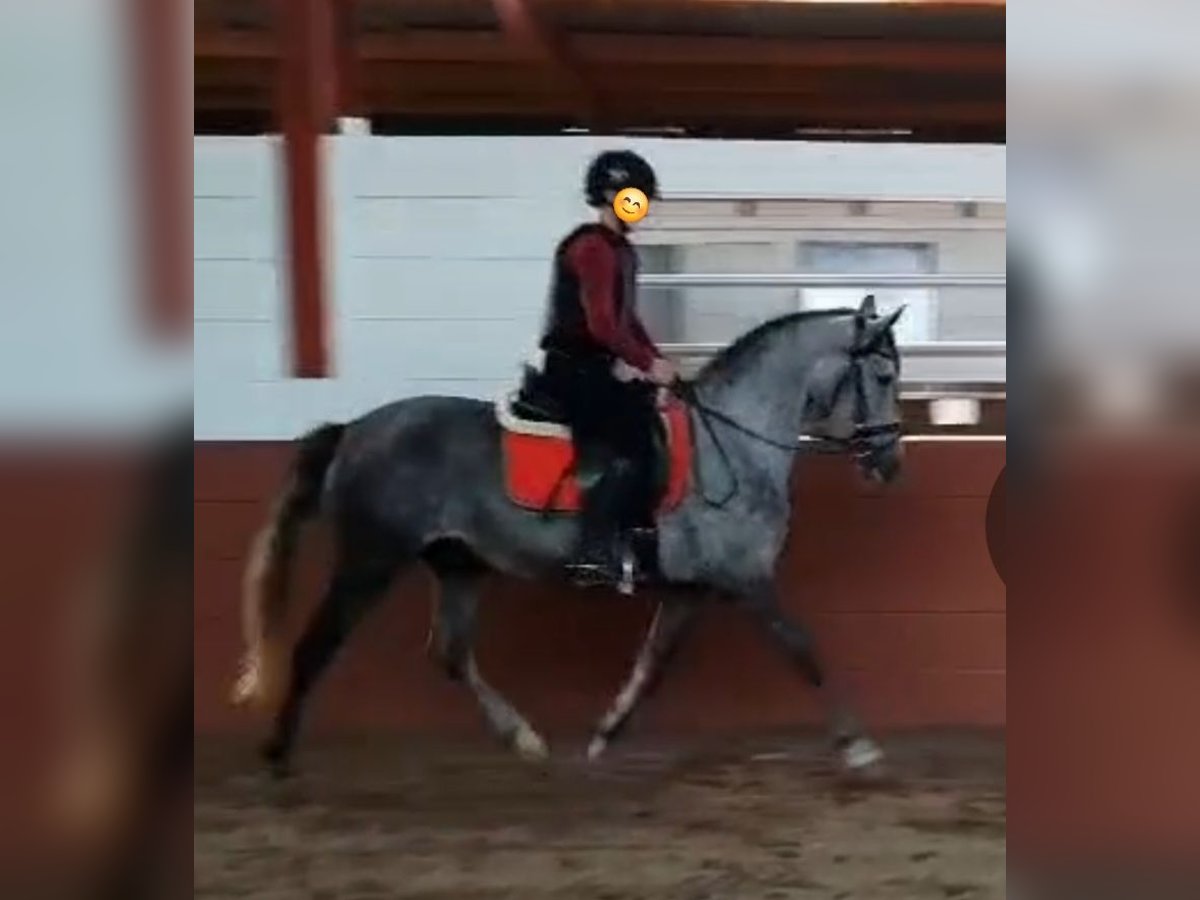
x: 435, y: 45
x: 852, y: 85
x: 803, y: 53
x: 525, y: 70
x: 623, y: 81
x: 235, y: 71
x: 652, y: 111
x: 523, y: 28
x: 235, y: 98
x: 226, y: 44
x: 683, y: 8
x: 664, y: 109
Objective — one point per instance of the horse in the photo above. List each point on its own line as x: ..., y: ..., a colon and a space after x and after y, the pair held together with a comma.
x: 420, y: 482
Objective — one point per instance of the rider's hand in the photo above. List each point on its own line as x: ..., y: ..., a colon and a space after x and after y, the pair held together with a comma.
x: 624, y: 372
x: 663, y: 372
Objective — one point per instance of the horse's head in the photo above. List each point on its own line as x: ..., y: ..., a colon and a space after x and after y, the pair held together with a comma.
x: 853, y: 394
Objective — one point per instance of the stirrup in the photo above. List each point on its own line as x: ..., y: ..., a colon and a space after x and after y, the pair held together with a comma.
x: 591, y: 574
x: 621, y: 574
x: 625, y: 585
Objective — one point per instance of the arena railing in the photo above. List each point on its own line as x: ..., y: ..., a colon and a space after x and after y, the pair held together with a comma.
x: 955, y: 377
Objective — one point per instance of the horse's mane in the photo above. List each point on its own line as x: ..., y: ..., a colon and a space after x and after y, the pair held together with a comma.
x: 732, y: 356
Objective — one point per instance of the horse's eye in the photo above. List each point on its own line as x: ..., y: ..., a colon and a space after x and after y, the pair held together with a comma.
x: 886, y: 378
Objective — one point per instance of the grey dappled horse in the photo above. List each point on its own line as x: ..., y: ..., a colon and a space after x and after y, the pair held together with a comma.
x: 421, y: 480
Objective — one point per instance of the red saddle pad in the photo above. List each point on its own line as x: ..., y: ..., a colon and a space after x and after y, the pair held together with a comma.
x: 536, y: 466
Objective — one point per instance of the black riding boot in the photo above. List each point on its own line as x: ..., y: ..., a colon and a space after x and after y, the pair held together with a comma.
x: 600, y: 560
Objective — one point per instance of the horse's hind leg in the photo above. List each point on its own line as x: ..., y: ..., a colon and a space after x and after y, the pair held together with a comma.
x: 670, y: 622
x: 458, y: 578
x: 857, y: 751
x: 357, y: 583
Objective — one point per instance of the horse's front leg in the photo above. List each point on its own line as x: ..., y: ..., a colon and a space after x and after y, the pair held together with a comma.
x: 858, y: 753
x: 669, y: 624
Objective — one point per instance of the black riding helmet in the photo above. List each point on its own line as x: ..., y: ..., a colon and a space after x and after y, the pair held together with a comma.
x: 613, y: 170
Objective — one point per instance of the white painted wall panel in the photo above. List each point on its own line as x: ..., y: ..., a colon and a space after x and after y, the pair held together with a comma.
x: 234, y: 353
x: 240, y: 335
x: 235, y: 166
x: 455, y: 228
x: 236, y: 228
x: 264, y: 410
x: 474, y: 167
x: 440, y: 250
x: 522, y: 167
x: 431, y: 350
x: 828, y: 170
x: 282, y: 410
x: 237, y: 290
x: 372, y: 392
x: 403, y: 288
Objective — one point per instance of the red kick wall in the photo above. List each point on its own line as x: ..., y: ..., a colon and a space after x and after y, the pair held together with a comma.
x: 896, y: 583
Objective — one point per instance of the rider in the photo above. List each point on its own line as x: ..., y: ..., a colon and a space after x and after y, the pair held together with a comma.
x: 602, y: 365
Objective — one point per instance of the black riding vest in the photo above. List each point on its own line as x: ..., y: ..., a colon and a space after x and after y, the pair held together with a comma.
x: 565, y: 331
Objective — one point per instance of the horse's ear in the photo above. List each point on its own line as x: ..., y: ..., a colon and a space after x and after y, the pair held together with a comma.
x: 867, y: 309
x: 874, y: 332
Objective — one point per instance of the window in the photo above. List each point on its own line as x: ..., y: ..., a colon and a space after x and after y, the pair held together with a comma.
x: 709, y: 315
x: 823, y: 237
x: 853, y: 258
x: 661, y: 308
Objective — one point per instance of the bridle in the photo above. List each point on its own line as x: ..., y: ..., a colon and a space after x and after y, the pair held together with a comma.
x: 859, y: 443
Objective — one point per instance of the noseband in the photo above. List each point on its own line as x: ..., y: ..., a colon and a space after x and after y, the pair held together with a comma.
x: 858, y: 444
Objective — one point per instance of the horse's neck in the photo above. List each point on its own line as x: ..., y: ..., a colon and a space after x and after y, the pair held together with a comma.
x: 765, y: 392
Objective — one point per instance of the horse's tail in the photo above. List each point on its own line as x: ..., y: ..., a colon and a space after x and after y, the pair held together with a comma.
x: 266, y: 582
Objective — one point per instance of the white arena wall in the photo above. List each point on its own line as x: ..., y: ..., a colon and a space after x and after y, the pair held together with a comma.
x: 439, y: 253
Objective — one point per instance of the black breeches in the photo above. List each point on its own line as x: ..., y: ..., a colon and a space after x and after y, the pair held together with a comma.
x: 615, y: 418
x: 614, y: 422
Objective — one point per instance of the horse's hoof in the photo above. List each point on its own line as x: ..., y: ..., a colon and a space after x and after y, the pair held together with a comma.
x: 529, y: 745
x: 254, y: 689
x: 246, y: 689
x: 280, y: 772
x: 260, y: 682
x: 277, y: 760
x: 863, y: 760
x: 596, y: 748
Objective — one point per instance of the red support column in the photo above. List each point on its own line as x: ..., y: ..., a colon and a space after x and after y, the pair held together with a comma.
x: 162, y: 157
x: 306, y: 88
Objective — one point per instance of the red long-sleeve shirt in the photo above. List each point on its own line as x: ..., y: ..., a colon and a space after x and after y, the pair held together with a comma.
x: 606, y: 287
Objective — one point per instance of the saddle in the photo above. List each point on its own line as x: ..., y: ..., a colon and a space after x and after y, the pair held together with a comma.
x: 540, y: 463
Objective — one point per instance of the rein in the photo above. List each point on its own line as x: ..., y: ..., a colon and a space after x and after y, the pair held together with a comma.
x: 686, y: 391
x: 857, y: 443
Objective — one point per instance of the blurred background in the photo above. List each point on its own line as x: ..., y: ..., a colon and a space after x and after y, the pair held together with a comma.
x: 95, y: 393
x: 376, y: 189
